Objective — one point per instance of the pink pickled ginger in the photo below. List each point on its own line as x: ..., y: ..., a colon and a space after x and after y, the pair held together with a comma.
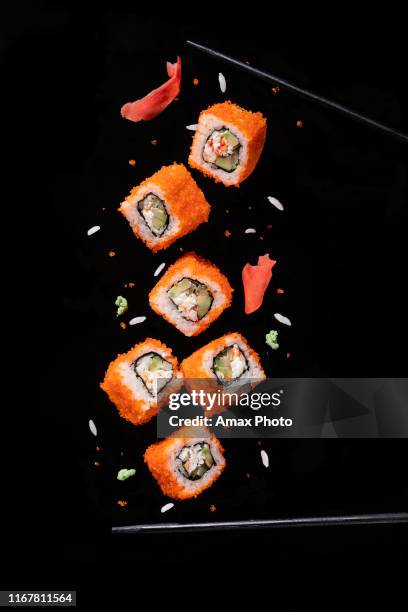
x: 256, y: 280
x: 157, y: 100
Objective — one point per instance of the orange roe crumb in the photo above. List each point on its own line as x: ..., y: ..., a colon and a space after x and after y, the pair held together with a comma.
x: 97, y: 449
x: 176, y: 99
x: 132, y: 162
x: 154, y: 142
x: 227, y: 233
x: 195, y: 81
x: 280, y: 291
x: 123, y: 325
x: 213, y: 508
x: 111, y: 253
x: 122, y: 503
x: 299, y: 123
x: 96, y: 463
x: 275, y: 90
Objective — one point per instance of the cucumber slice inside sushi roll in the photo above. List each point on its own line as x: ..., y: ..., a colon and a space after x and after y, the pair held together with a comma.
x: 154, y: 371
x: 221, y: 150
x: 154, y: 213
x: 192, y: 299
x: 230, y: 364
x: 194, y: 461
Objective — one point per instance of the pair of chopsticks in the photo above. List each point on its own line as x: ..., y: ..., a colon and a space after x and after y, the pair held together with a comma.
x: 271, y: 78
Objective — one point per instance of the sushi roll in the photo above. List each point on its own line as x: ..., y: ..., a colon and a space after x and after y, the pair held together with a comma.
x: 227, y: 364
x: 140, y: 381
x: 227, y: 143
x: 185, y: 466
x: 165, y: 207
x: 191, y: 294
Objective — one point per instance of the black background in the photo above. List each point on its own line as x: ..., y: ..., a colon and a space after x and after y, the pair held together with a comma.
x: 339, y: 244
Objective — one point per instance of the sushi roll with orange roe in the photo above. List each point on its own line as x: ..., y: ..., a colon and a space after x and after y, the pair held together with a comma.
x: 140, y: 381
x: 191, y: 294
x: 165, y: 207
x: 227, y: 143
x: 227, y: 364
x: 186, y: 463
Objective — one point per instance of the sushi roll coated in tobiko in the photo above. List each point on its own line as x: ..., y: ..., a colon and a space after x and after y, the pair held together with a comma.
x: 185, y: 466
x: 140, y: 381
x: 228, y: 142
x: 191, y: 294
x: 228, y: 365
x: 166, y: 206
x: 227, y: 359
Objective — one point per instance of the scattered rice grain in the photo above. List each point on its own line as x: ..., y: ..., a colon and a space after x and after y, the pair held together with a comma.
x: 137, y: 320
x: 275, y: 202
x: 166, y: 507
x: 282, y: 319
x: 159, y: 269
x: 265, y: 458
x: 93, y: 230
x: 92, y: 427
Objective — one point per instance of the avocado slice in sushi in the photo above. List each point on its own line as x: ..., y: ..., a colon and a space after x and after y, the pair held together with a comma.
x: 154, y: 213
x: 192, y: 298
x: 230, y: 364
x: 180, y: 287
x: 204, y: 301
x: 194, y: 461
x: 154, y: 371
x: 231, y: 139
x: 230, y: 163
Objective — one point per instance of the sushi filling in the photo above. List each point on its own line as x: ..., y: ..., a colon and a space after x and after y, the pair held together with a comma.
x: 230, y: 364
x: 194, y: 461
x: 192, y: 299
x: 154, y: 213
x: 154, y: 371
x: 222, y: 150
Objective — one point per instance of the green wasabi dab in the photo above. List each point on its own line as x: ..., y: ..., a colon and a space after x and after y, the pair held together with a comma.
x: 124, y: 474
x: 271, y: 339
x: 122, y: 305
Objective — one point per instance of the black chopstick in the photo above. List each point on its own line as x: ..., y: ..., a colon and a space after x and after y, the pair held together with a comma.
x: 303, y: 92
x: 323, y: 521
